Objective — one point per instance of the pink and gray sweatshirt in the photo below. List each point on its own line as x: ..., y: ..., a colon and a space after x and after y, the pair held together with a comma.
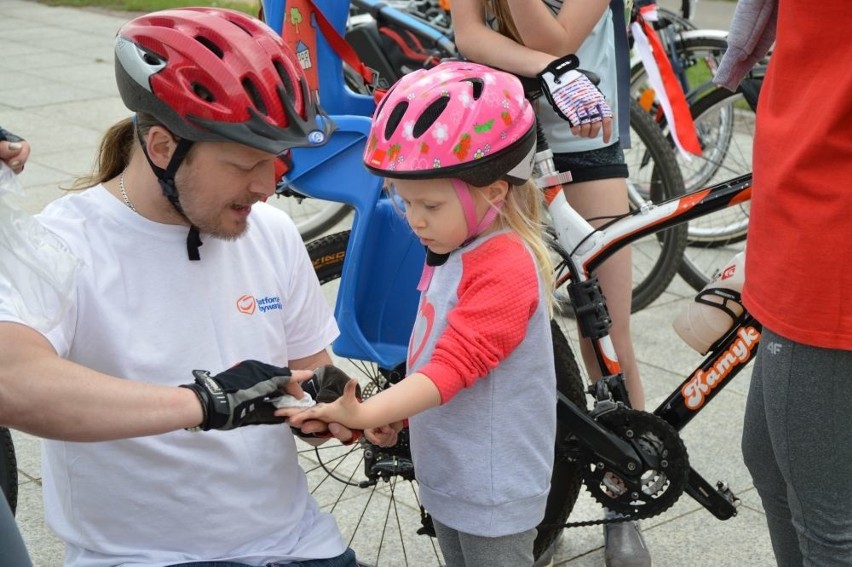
x: 484, y: 457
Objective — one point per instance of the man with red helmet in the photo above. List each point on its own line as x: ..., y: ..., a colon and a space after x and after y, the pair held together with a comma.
x: 216, y: 97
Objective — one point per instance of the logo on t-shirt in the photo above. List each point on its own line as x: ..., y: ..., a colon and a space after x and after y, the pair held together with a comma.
x: 248, y: 304
x: 421, y: 332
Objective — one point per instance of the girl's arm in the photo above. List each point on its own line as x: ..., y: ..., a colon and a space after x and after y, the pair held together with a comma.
x: 479, y: 43
x: 546, y: 38
x: 410, y: 396
x: 561, y: 35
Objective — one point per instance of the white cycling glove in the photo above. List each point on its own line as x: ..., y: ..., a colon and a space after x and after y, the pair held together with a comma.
x: 572, y: 94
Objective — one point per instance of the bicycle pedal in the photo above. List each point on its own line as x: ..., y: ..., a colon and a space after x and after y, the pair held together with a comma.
x: 725, y: 491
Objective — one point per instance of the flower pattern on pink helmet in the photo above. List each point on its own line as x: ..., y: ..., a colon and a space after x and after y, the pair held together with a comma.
x: 457, y: 119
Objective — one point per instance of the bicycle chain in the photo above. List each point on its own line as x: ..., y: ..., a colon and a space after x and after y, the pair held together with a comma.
x: 653, y: 437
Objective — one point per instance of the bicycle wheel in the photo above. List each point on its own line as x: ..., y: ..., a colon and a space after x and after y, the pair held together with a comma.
x: 694, y: 55
x: 313, y: 217
x: 725, y: 122
x: 372, y: 491
x: 8, y: 469
x: 654, y: 177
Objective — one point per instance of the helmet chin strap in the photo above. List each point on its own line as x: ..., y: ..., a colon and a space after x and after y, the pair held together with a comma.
x: 474, y: 229
x: 166, y: 179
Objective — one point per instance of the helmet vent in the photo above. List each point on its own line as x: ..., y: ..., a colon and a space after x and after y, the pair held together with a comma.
x: 395, y: 118
x: 285, y: 78
x: 478, y: 86
x: 203, y: 92
x: 152, y: 59
x: 254, y: 95
x: 210, y: 45
x: 430, y: 115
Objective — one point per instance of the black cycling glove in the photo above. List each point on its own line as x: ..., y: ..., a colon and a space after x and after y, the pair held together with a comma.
x: 240, y: 395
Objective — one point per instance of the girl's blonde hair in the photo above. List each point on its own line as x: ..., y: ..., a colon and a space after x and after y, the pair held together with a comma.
x: 522, y: 213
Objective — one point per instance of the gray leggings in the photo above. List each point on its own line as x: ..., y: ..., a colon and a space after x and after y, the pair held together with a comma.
x: 797, y: 444
x: 466, y: 550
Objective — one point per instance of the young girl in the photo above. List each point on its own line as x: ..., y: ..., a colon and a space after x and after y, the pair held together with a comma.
x: 456, y: 144
x: 524, y: 37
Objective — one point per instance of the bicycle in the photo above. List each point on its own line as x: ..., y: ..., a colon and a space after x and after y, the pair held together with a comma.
x: 724, y: 123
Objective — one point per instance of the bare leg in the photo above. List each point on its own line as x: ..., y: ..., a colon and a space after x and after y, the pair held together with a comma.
x: 607, y: 198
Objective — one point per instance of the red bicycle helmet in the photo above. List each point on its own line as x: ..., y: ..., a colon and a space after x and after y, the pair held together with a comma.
x: 210, y: 74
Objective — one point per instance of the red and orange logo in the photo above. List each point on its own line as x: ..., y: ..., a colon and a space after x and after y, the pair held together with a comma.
x: 247, y: 304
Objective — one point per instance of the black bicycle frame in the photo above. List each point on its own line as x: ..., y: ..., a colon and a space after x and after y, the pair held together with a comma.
x: 728, y: 356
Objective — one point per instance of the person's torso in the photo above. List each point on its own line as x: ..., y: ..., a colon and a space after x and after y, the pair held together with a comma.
x: 797, y: 274
x: 484, y: 458
x: 145, y: 312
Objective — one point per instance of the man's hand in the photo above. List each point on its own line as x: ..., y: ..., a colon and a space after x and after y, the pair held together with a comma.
x: 576, y: 99
x: 14, y: 150
x: 240, y: 395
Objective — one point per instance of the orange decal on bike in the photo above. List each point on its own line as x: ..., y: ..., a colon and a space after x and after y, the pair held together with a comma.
x: 328, y: 259
x: 690, y: 200
x: 551, y: 193
x: 700, y: 384
x: 424, y: 148
x: 742, y: 197
x: 507, y: 118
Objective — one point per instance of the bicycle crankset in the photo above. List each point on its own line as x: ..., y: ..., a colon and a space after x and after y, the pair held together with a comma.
x: 660, y: 480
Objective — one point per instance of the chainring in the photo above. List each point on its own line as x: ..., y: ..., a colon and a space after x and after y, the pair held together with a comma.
x: 650, y: 491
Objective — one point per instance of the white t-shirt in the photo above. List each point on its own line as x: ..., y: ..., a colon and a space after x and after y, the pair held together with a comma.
x: 145, y: 312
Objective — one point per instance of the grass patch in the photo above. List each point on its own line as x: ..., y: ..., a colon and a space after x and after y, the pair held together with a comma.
x: 250, y: 7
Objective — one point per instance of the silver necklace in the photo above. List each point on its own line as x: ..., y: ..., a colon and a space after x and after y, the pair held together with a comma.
x: 124, y: 193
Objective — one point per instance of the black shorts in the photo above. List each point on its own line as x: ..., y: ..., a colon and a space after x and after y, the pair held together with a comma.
x: 591, y: 165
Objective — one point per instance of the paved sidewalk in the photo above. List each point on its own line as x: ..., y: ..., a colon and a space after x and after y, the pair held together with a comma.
x: 57, y: 90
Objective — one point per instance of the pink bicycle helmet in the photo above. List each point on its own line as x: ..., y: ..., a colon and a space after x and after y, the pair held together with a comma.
x: 211, y: 74
x: 456, y: 120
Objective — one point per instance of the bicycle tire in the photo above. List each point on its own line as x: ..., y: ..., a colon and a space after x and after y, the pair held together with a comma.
x: 313, y: 217
x: 717, y: 237
x: 8, y: 469
x: 698, y: 53
x: 653, y: 169
x: 331, y: 460
x: 699, y: 56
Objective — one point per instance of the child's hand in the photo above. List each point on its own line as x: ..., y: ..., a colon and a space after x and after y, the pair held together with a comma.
x: 345, y: 410
x: 575, y: 98
x: 384, y: 436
